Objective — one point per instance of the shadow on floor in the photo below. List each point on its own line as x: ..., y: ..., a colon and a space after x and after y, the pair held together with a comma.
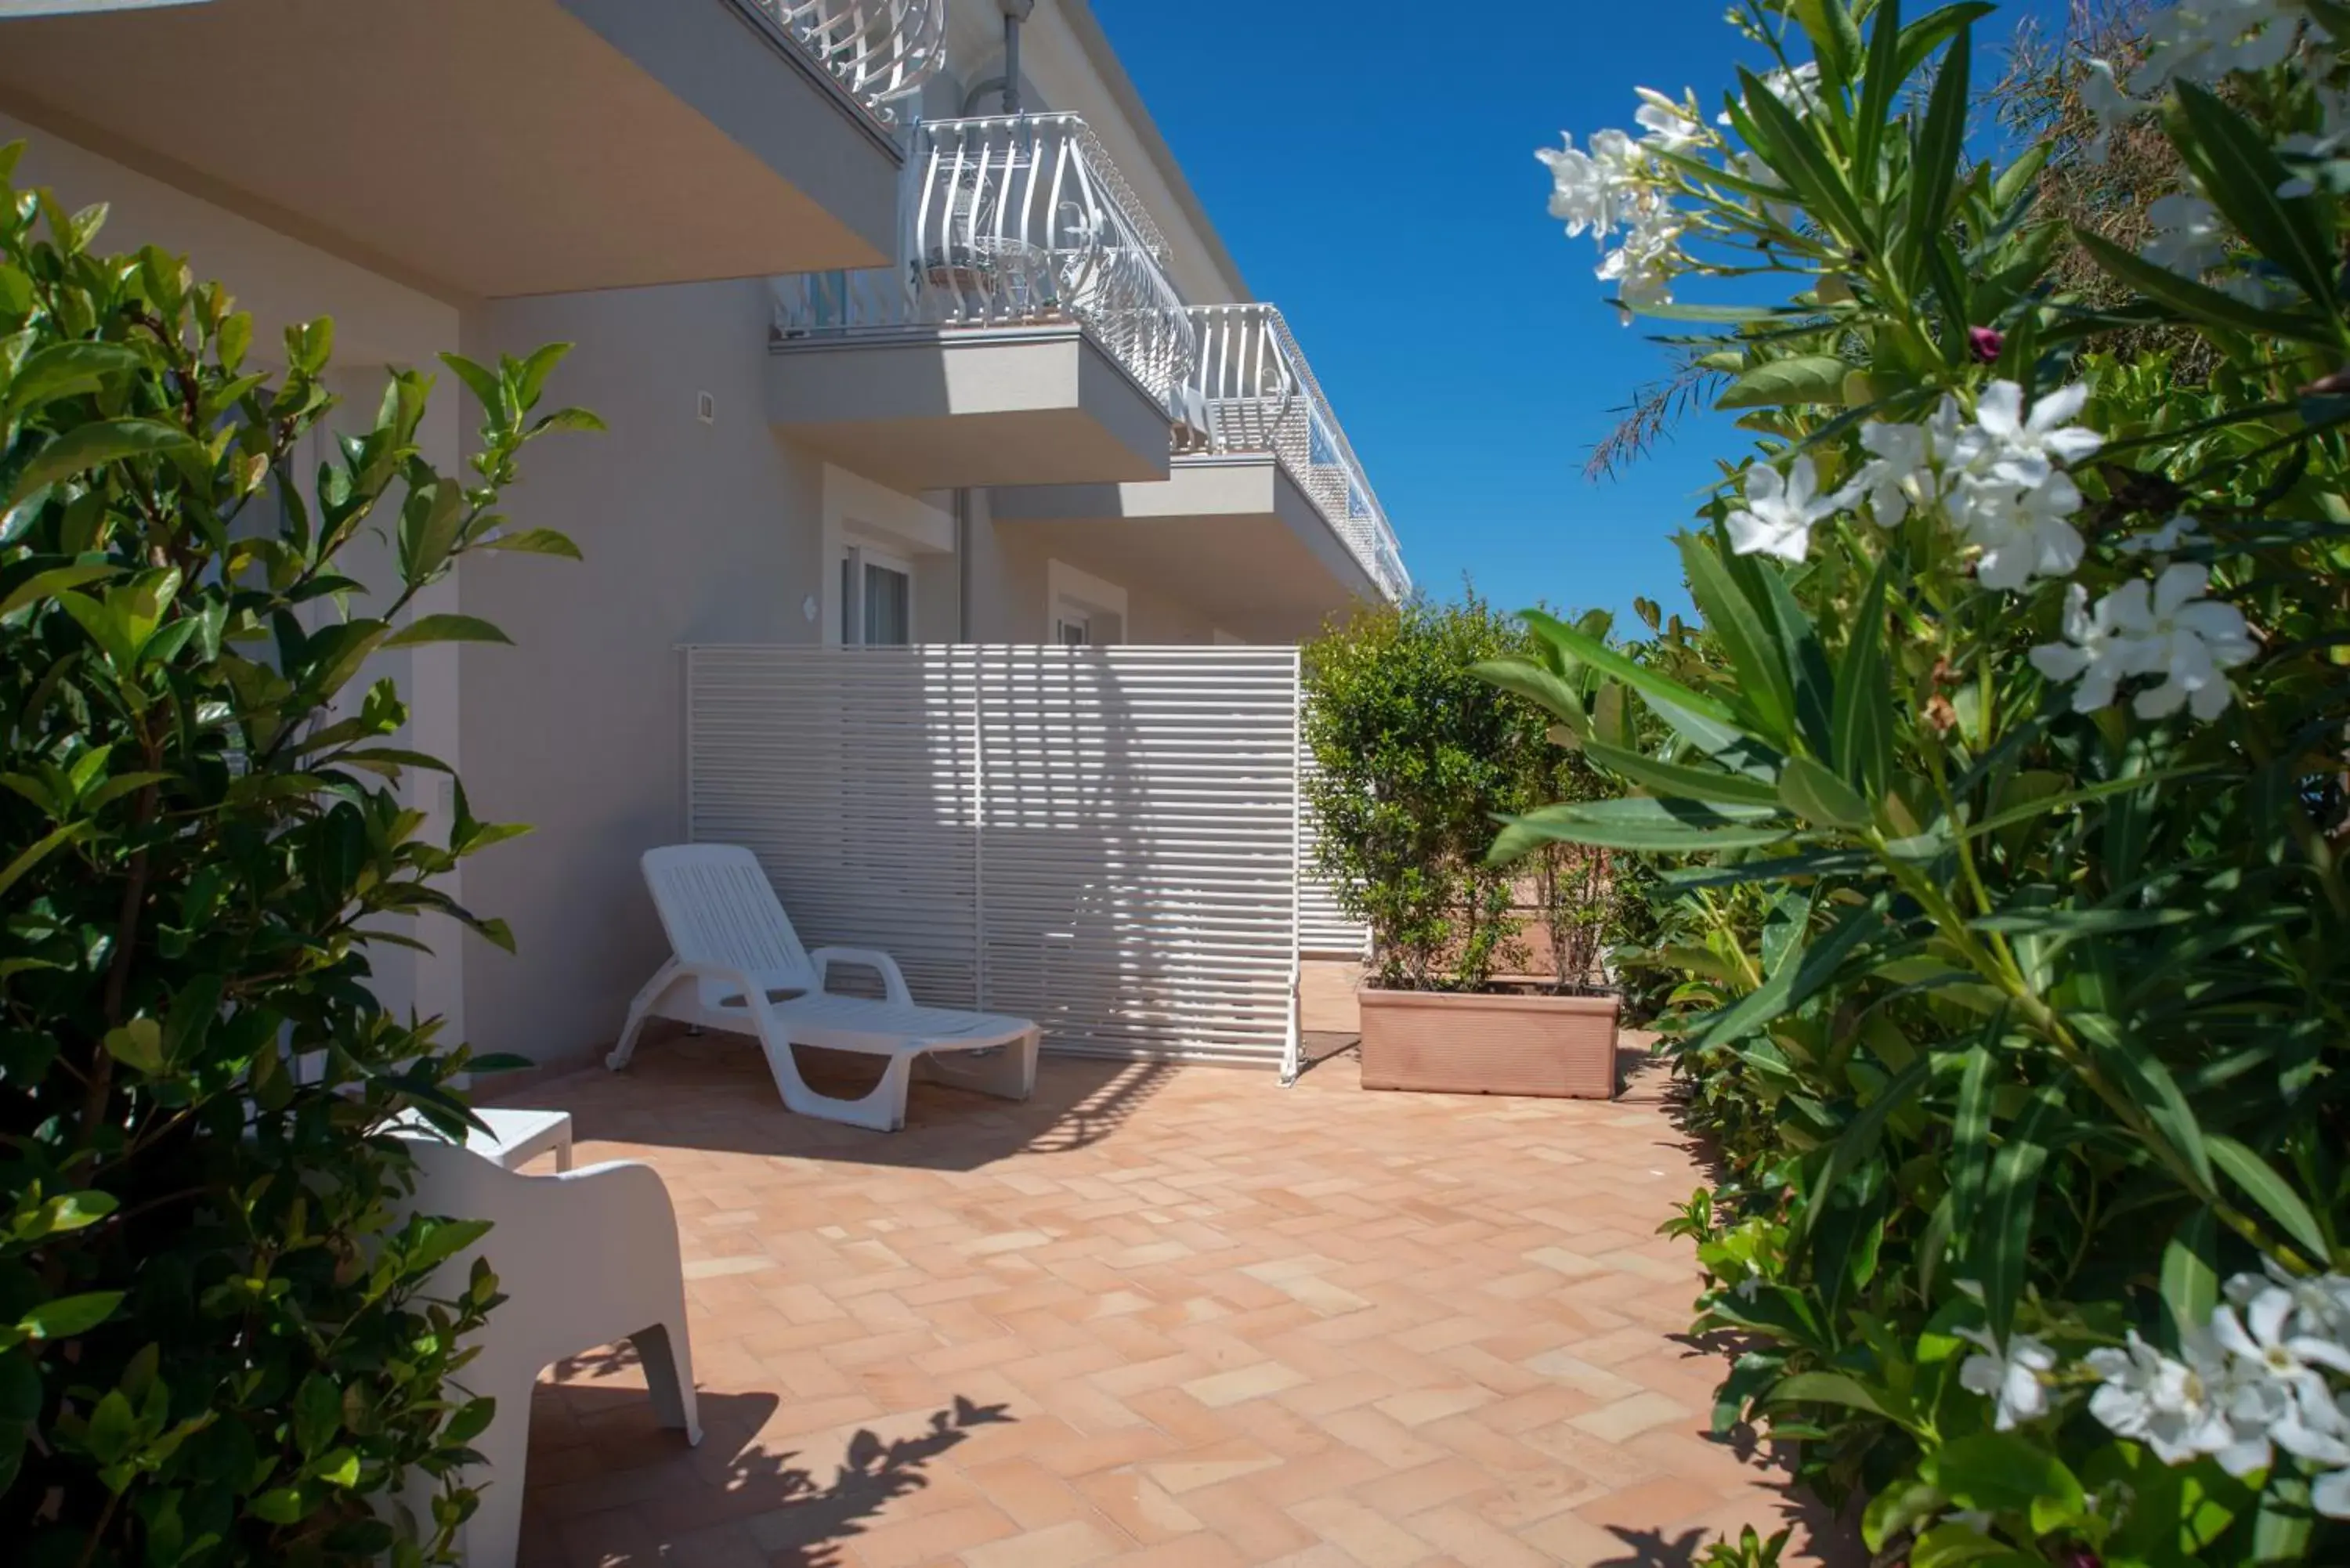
x: 713, y: 1093
x: 731, y: 1483
x: 1816, y: 1536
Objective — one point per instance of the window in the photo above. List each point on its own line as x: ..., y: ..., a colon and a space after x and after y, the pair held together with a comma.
x: 1072, y: 627
x: 876, y: 598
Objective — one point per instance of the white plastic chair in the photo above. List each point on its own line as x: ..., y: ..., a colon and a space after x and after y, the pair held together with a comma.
x: 586, y: 1258
x: 736, y: 965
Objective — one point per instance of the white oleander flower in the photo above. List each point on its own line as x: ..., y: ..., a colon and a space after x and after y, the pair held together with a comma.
x: 2264, y: 1339
x: 1592, y: 192
x: 1798, y: 89
x: 2187, y: 236
x: 1671, y: 126
x: 2176, y: 534
x: 1899, y: 475
x: 2321, y: 1305
x: 1644, y: 266
x: 2022, y: 448
x: 2024, y: 533
x: 2011, y: 1375
x: 2091, y: 653
x: 2173, y: 1406
x: 1753, y: 167
x: 2184, y: 638
x: 2204, y: 40
x: 1781, y: 511
x: 2102, y: 94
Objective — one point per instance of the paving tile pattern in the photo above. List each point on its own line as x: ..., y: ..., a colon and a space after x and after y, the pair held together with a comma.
x: 1169, y: 1316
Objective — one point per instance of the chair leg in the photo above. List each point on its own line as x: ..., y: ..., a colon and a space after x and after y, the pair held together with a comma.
x: 655, y: 990
x: 883, y: 1109
x: 666, y: 1356
x: 492, y: 1536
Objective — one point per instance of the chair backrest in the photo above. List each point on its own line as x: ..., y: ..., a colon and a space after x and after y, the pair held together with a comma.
x: 719, y: 908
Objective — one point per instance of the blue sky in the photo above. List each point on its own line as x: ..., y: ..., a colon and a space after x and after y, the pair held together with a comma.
x: 1370, y: 165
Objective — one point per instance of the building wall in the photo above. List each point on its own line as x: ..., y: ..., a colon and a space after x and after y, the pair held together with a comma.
x: 692, y: 533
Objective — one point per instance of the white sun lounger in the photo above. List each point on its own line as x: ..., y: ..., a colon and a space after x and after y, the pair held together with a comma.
x: 736, y: 965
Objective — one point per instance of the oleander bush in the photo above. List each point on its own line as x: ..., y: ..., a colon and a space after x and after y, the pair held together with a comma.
x: 213, y: 1346
x: 2007, y: 786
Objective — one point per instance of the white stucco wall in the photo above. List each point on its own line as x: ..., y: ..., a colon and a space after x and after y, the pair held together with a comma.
x: 693, y: 532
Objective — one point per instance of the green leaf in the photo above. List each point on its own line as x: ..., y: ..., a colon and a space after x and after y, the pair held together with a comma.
x: 428, y: 521
x: 1743, y: 628
x: 1780, y: 383
x: 1581, y: 824
x: 95, y: 445
x: 1793, y: 150
x: 1859, y: 1140
x: 1794, y: 981
x: 2006, y: 1472
x: 138, y: 1044
x: 1926, y: 35
x: 38, y: 851
x: 2266, y: 1188
x: 318, y: 1413
x: 536, y: 542
x: 70, y: 1316
x: 2239, y: 173
x: 1880, y: 79
x: 63, y: 370
x: 1828, y: 1388
x: 443, y: 1239
x: 429, y: 629
x: 481, y: 382
x: 1835, y: 37
x: 1817, y: 796
x: 2150, y: 1083
x: 1537, y: 685
x: 1676, y: 780
x: 1862, y: 724
x: 2191, y: 1271
x: 1608, y: 662
x: 2194, y: 301
x: 2003, y: 1237
x: 1934, y: 160
x: 569, y: 419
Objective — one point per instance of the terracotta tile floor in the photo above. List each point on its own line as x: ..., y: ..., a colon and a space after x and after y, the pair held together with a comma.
x: 1156, y: 1316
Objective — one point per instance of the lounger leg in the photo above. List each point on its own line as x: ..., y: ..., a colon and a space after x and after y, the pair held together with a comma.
x: 655, y: 990
x: 1009, y: 1074
x: 668, y: 1359
x: 492, y: 1536
x: 881, y: 1110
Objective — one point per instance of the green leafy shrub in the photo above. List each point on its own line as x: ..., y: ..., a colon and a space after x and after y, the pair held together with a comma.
x: 2011, y: 776
x: 1417, y: 756
x: 213, y: 1347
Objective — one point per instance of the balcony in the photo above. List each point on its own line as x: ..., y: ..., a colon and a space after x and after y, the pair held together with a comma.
x: 493, y: 148
x: 1028, y: 334
x: 1265, y: 507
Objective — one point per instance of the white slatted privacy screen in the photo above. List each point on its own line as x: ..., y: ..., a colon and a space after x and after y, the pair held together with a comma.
x: 1105, y: 840
x: 1323, y: 928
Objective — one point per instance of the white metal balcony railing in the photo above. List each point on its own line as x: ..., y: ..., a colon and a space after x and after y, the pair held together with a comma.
x: 1258, y: 395
x: 883, y: 51
x: 1010, y: 220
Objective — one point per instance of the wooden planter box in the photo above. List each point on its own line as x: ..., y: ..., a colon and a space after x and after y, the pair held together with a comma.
x: 1448, y: 1043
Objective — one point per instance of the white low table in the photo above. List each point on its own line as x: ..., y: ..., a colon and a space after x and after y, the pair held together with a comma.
x: 515, y: 1137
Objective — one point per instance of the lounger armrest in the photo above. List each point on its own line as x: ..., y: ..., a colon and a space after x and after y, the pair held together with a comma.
x: 893, y: 981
